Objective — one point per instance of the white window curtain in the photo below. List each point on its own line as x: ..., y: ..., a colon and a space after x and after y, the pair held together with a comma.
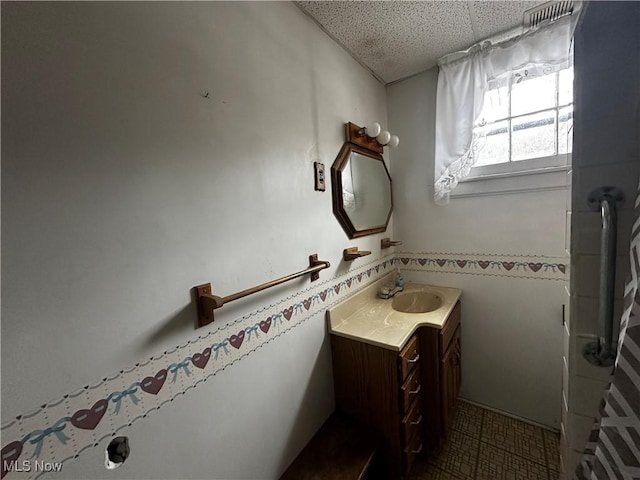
x: 465, y: 78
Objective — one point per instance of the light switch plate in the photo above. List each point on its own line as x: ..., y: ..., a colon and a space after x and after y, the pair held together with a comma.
x: 320, y: 176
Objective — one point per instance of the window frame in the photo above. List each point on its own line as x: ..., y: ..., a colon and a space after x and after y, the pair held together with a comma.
x: 542, y: 164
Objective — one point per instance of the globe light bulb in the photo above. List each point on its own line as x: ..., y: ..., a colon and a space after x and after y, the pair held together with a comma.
x: 373, y: 130
x: 383, y: 138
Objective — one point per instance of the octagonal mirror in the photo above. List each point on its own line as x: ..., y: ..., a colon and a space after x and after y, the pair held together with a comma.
x: 361, y: 189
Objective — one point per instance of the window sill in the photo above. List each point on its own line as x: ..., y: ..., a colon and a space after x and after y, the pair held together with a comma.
x: 514, y: 182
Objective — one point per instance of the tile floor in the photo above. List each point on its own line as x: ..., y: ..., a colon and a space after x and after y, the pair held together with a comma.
x: 484, y: 445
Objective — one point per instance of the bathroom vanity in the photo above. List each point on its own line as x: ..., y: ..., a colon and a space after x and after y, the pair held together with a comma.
x: 397, y: 367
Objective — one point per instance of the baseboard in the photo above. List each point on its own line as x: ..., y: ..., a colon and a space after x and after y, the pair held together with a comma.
x: 507, y: 414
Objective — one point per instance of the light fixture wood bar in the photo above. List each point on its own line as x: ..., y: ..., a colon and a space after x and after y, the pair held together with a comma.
x: 207, y: 302
x: 354, y: 136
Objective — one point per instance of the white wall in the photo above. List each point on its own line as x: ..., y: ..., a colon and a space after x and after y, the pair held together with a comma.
x: 512, y: 319
x: 606, y: 152
x: 148, y: 148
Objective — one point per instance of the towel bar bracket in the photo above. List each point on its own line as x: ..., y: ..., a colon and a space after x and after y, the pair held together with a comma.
x: 351, y: 253
x: 314, y: 262
x: 387, y: 243
x: 206, y: 303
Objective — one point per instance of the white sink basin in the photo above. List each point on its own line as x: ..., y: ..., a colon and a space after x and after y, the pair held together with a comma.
x: 416, y: 302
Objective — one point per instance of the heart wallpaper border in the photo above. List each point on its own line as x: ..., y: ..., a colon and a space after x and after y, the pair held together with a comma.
x: 62, y: 429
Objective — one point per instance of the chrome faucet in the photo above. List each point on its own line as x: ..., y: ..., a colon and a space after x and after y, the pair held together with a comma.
x: 389, y: 291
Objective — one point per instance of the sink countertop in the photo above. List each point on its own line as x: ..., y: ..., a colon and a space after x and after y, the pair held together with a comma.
x: 367, y: 318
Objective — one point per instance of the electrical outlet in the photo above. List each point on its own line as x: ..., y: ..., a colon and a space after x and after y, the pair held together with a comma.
x: 320, y: 178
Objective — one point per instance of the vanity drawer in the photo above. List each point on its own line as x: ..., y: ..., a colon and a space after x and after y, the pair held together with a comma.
x: 410, y: 389
x: 412, y: 421
x: 409, y: 356
x: 413, y: 448
x: 446, y: 334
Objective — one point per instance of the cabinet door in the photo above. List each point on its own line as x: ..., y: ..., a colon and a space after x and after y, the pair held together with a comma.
x: 451, y: 377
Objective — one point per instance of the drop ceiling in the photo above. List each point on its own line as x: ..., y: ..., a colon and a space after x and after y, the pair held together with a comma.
x: 397, y: 39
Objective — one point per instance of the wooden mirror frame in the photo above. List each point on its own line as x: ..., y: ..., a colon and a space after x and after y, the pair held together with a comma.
x: 368, y: 147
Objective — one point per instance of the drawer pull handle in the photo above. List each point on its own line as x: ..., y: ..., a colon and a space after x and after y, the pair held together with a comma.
x: 415, y: 358
x: 417, y: 390
x: 417, y: 422
x: 417, y: 450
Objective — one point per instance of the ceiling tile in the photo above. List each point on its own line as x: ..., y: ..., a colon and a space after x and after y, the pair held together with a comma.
x: 396, y: 39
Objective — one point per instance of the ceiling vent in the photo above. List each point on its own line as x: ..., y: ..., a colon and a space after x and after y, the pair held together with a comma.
x: 547, y: 11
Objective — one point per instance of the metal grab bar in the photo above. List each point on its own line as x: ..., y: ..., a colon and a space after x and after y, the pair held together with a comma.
x: 207, y: 302
x: 602, y: 352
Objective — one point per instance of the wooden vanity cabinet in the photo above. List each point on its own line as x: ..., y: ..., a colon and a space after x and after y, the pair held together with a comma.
x: 381, y: 388
x: 441, y: 375
x: 408, y: 396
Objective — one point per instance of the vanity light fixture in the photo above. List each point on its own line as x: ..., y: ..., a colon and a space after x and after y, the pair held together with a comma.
x: 364, y: 137
x: 372, y: 130
x: 386, y: 139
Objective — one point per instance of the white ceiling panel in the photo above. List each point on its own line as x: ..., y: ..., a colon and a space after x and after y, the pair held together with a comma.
x: 396, y: 39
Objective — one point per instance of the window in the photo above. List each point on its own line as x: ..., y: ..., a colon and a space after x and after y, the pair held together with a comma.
x: 526, y: 124
x: 515, y: 99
